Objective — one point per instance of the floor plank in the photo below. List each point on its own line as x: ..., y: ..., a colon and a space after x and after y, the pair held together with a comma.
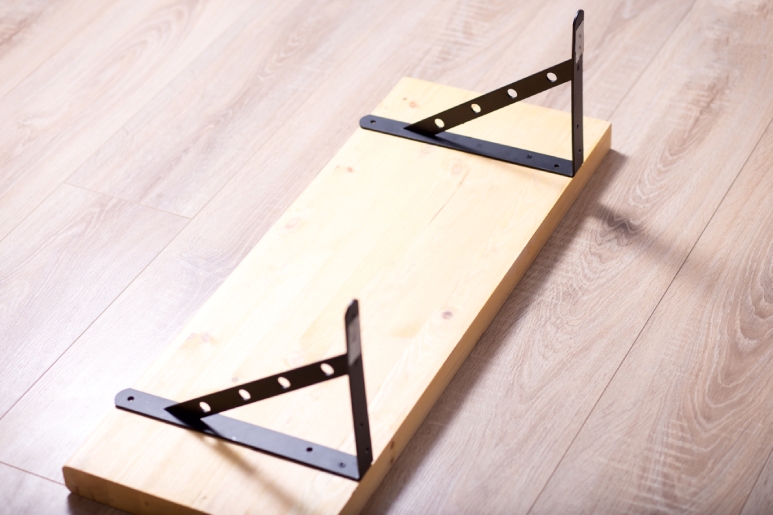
x: 60, y: 114
x: 156, y: 306
x: 206, y: 124
x: 60, y: 269
x: 682, y: 134
x: 684, y: 426
x: 500, y: 430
x: 23, y: 493
x: 31, y: 31
x: 760, y: 500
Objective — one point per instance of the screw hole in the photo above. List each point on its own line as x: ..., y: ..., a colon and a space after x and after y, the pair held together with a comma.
x: 528, y: 156
x: 512, y: 93
x: 342, y: 464
x: 309, y: 449
x: 475, y: 108
x: 373, y: 121
x: 556, y: 165
x: 131, y: 398
x: 284, y: 382
x: 552, y: 77
x: 205, y: 407
x: 327, y: 369
x: 439, y: 123
x: 245, y: 395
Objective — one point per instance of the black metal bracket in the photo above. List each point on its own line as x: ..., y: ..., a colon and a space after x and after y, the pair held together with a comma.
x: 202, y: 413
x: 432, y: 130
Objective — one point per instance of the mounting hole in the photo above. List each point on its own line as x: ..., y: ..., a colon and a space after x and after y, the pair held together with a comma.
x: 309, y: 449
x: 556, y: 165
x: 342, y: 464
x: 327, y: 369
x: 131, y: 398
x: 528, y: 156
x: 284, y: 382
x: 475, y: 108
x: 440, y: 123
x: 373, y: 121
x: 244, y: 394
x: 552, y: 77
x: 205, y: 407
x: 579, y: 151
x: 512, y: 93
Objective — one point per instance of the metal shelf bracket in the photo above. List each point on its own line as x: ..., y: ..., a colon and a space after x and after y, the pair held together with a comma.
x: 432, y: 130
x: 202, y: 414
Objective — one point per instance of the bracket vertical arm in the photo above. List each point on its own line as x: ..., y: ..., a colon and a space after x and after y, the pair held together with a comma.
x: 578, y: 45
x: 357, y: 388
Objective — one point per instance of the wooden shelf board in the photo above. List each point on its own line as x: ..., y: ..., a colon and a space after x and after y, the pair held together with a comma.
x: 431, y: 241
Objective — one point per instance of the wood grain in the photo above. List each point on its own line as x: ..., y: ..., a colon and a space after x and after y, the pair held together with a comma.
x: 31, y: 31
x: 616, y: 228
x: 684, y: 426
x: 155, y: 307
x: 226, y: 104
x: 534, y: 377
x: 87, y: 248
x: 430, y: 240
x: 60, y: 114
x: 760, y: 499
x: 22, y: 492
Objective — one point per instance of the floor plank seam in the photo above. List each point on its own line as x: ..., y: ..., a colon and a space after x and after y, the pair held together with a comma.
x: 126, y: 200
x: 266, y: 142
x: 160, y: 90
x: 58, y: 51
x: 756, y: 480
x: 644, y: 326
x: 32, y: 473
x: 118, y: 296
x: 654, y: 55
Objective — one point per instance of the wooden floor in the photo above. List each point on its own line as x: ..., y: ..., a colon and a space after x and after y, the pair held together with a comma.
x: 146, y: 146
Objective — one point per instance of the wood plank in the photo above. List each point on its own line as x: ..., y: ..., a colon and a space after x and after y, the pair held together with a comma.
x: 61, y: 268
x: 684, y: 425
x: 430, y: 240
x: 123, y: 342
x: 25, y: 493
x: 681, y: 136
x: 59, y: 115
x: 425, y: 39
x: 31, y: 31
x: 760, y: 499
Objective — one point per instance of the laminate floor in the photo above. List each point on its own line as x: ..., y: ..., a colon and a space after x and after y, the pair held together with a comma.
x: 148, y: 145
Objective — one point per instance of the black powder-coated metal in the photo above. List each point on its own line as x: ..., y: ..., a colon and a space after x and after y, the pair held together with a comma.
x: 433, y: 129
x: 475, y: 146
x: 578, y: 44
x: 495, y: 100
x: 357, y: 389
x: 244, y: 434
x: 202, y: 413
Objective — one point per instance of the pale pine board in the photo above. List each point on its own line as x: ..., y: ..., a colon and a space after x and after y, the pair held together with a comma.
x: 430, y: 240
